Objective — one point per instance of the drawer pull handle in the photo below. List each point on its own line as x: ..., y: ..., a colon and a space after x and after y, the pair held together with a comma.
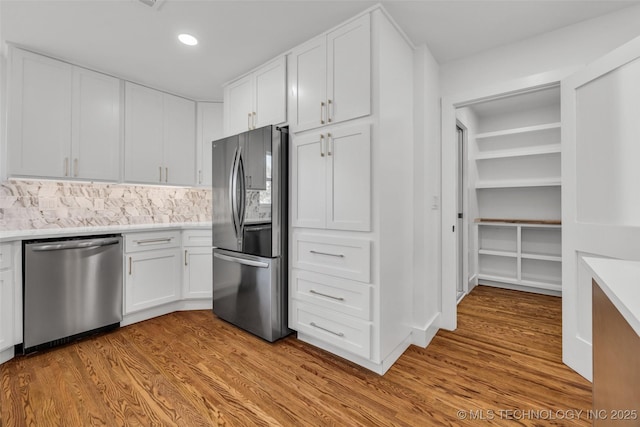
x: 327, y: 254
x: 340, y: 334
x: 325, y: 295
x: 151, y: 241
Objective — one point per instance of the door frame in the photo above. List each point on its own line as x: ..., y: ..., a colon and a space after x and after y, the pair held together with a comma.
x: 449, y: 259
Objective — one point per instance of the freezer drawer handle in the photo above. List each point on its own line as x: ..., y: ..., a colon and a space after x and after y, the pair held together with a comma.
x: 312, y: 291
x: 327, y: 254
x: 84, y: 244
x: 340, y: 334
x: 242, y: 261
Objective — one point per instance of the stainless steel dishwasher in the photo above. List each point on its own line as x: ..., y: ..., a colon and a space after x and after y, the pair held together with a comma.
x: 72, y: 287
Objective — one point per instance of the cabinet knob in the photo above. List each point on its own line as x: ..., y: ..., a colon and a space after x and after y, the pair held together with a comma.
x: 329, y: 110
x: 66, y: 166
x: 160, y: 169
x: 75, y: 167
x: 321, y: 145
x: 321, y: 113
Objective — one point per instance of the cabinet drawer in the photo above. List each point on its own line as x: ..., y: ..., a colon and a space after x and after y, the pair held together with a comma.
x: 137, y: 242
x: 197, y: 238
x: 344, y: 296
x: 5, y: 256
x: 345, y: 332
x: 336, y: 256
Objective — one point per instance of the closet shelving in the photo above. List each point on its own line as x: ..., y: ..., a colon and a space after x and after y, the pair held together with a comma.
x: 520, y: 253
x: 516, y: 158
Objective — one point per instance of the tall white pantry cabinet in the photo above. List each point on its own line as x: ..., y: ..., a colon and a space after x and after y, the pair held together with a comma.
x: 351, y: 191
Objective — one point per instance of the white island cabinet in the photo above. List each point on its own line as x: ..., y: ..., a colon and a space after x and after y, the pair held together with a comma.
x: 351, y: 98
x: 68, y: 115
x: 257, y: 99
x: 160, y: 137
x: 153, y: 271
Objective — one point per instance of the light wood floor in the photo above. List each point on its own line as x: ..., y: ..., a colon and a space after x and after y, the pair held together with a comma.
x: 192, y: 369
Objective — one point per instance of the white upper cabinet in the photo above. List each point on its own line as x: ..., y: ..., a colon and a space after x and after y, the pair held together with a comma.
x: 95, y: 148
x: 331, y: 184
x: 159, y: 137
x: 179, y: 140
x: 256, y: 100
x: 331, y: 77
x: 64, y: 121
x: 209, y: 129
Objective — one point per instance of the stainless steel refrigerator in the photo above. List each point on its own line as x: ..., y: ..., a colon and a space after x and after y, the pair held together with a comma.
x: 249, y: 183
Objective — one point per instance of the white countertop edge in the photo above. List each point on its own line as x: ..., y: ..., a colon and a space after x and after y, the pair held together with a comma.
x: 44, y: 233
x: 620, y: 281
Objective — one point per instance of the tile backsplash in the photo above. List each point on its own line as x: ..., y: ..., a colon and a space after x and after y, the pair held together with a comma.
x: 31, y: 204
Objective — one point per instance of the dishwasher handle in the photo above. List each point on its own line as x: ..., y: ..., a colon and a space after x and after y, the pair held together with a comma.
x: 76, y: 244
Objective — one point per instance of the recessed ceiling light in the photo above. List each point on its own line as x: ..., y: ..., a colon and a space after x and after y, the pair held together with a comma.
x: 188, y: 39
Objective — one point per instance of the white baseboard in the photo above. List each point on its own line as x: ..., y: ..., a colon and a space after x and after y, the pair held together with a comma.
x: 7, y: 355
x: 422, y: 335
x: 150, y: 313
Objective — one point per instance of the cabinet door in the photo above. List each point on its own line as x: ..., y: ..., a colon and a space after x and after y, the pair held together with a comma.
x: 349, y: 71
x: 308, y: 186
x: 143, y: 134
x: 6, y: 309
x: 153, y: 278
x: 238, y: 106
x: 269, y: 94
x: 198, y: 273
x: 179, y: 140
x: 95, y: 149
x: 349, y: 179
x: 309, y: 83
x: 209, y: 129
x: 254, y: 156
x: 39, y: 126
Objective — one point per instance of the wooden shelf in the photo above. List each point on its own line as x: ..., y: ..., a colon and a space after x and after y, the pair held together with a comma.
x: 519, y: 183
x: 519, y: 221
x: 514, y: 281
x: 517, y: 131
x: 520, y: 152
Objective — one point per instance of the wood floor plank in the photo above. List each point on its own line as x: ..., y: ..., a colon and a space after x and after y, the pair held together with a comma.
x: 191, y: 368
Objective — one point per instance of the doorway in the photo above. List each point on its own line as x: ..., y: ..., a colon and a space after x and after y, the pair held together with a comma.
x: 461, y: 188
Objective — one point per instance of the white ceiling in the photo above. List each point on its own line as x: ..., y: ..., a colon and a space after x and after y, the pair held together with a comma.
x: 133, y: 41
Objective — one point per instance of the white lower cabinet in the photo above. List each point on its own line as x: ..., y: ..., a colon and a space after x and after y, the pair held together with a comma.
x: 344, y: 332
x: 198, y: 265
x: 330, y: 292
x: 153, y: 270
x: 6, y: 301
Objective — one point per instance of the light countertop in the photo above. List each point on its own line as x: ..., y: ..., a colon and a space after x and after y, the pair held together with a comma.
x: 12, y: 235
x: 620, y: 281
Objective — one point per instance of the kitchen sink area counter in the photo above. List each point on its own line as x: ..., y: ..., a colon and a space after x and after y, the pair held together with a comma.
x: 188, y: 287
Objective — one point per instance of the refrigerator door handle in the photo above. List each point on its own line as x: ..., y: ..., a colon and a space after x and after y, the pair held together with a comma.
x: 242, y: 261
x: 243, y: 191
x: 233, y: 196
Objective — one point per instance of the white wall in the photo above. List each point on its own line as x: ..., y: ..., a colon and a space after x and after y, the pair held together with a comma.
x: 426, y: 251
x: 569, y: 47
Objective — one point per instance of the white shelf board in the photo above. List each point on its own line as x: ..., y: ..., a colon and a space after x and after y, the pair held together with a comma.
x: 542, y: 257
x: 519, y: 183
x: 493, y: 278
x: 498, y: 253
x: 516, y: 131
x: 520, y: 152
